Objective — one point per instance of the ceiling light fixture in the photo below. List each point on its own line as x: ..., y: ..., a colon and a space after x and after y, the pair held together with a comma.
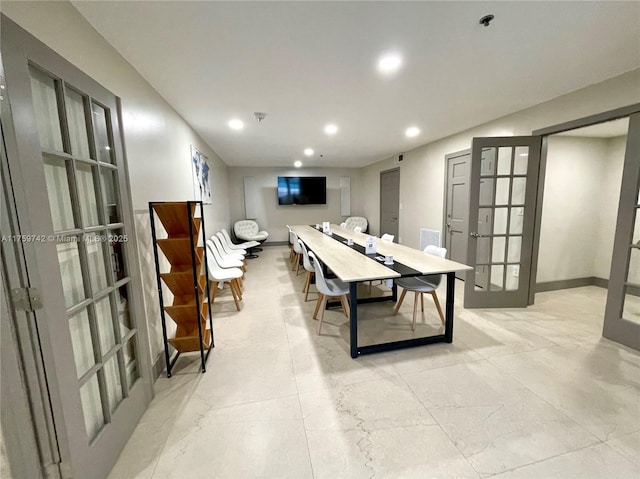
x: 412, y: 131
x: 389, y: 63
x: 308, y: 151
x: 236, y: 124
x: 297, y: 164
x: 259, y: 115
x: 331, y: 129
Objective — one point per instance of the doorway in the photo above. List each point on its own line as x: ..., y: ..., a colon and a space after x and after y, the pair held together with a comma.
x: 390, y: 202
x: 79, y: 288
x: 456, y: 225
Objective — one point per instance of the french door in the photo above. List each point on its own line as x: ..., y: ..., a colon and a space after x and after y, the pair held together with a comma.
x: 73, y: 230
x: 622, y: 313
x: 503, y: 187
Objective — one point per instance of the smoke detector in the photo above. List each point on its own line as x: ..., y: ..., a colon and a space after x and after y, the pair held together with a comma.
x: 258, y: 115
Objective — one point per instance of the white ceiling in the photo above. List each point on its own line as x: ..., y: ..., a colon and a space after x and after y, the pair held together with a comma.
x: 309, y: 63
x: 609, y: 129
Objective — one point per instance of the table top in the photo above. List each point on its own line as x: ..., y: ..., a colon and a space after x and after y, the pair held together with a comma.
x: 350, y: 265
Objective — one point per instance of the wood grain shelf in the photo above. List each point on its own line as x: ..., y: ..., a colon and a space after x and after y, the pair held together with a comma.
x: 189, y: 309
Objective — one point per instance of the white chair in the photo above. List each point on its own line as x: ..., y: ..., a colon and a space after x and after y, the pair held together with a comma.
x: 219, y: 275
x: 237, y: 254
x: 358, y: 229
x: 242, y: 246
x: 248, y: 230
x: 224, y: 260
x: 353, y: 221
x: 422, y: 284
x: 291, y: 240
x: 328, y: 288
x: 298, y: 252
x: 343, y: 224
x: 306, y: 262
x: 387, y: 237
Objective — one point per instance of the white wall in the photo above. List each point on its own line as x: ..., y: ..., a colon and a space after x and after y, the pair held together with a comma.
x: 571, y: 208
x: 422, y: 173
x: 609, y: 194
x: 157, y: 139
x: 273, y: 218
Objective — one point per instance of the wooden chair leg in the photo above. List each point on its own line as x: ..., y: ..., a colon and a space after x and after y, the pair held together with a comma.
x: 306, y: 294
x: 212, y: 291
x: 435, y: 300
x: 345, y: 305
x: 296, y: 262
x: 322, y: 308
x: 306, y: 283
x: 395, y: 311
x: 318, y: 303
x: 238, y: 285
x: 422, y: 301
x: 235, y: 294
x: 415, y: 310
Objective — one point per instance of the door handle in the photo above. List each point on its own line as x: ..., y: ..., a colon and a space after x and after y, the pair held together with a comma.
x: 473, y: 234
x: 395, y: 218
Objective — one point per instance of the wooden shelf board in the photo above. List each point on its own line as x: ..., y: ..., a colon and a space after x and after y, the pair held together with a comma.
x: 181, y: 283
x: 178, y: 251
x: 185, y: 314
x: 174, y: 217
x: 188, y: 344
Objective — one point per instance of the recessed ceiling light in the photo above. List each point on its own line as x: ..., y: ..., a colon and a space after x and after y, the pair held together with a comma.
x: 412, y: 131
x: 297, y: 164
x: 389, y: 63
x: 236, y: 124
x: 330, y: 129
x: 308, y: 151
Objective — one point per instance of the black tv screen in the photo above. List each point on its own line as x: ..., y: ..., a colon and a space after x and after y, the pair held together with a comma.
x: 302, y: 190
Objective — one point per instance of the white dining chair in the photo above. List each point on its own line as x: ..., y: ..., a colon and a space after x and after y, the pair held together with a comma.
x: 226, y: 252
x: 298, y: 253
x: 225, y: 261
x: 387, y: 237
x: 291, y: 240
x: 358, y: 229
x: 328, y: 288
x: 422, y: 284
x: 219, y: 275
x: 306, y: 262
x: 242, y: 246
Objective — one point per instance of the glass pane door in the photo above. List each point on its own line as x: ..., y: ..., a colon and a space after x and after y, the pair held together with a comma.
x: 504, y: 173
x: 622, y: 314
x: 84, y: 266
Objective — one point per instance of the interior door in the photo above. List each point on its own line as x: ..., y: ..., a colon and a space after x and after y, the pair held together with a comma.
x: 390, y: 202
x: 622, y: 313
x: 74, y: 224
x: 457, y: 210
x: 502, y: 202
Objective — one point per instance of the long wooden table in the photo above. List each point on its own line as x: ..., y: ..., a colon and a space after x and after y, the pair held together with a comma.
x: 351, y: 265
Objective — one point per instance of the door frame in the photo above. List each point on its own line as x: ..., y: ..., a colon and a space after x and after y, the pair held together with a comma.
x: 459, y: 274
x: 590, y: 120
x: 397, y: 168
x: 22, y: 155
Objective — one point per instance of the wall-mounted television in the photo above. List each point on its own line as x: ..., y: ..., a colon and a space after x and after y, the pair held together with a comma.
x: 302, y: 190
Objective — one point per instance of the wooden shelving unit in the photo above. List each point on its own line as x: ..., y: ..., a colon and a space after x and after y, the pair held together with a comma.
x: 187, y: 279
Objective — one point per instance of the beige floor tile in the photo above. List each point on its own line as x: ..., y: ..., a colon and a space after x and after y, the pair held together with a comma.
x: 526, y: 393
x: 593, y: 462
x: 494, y: 421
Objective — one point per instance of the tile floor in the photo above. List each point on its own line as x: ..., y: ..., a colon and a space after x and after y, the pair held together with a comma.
x: 526, y: 393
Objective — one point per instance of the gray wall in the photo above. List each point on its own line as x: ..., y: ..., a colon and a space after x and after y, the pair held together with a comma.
x: 581, y: 194
x: 274, y: 218
x: 157, y: 139
x: 423, y: 169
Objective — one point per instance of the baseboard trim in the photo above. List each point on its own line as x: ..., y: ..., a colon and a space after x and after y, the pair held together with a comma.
x: 276, y: 243
x: 571, y: 283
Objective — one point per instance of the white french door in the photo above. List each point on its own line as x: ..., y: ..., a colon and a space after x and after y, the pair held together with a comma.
x: 74, y: 227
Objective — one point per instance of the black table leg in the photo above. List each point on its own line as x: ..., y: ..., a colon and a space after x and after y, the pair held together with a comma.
x: 353, y: 319
x: 451, y: 290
